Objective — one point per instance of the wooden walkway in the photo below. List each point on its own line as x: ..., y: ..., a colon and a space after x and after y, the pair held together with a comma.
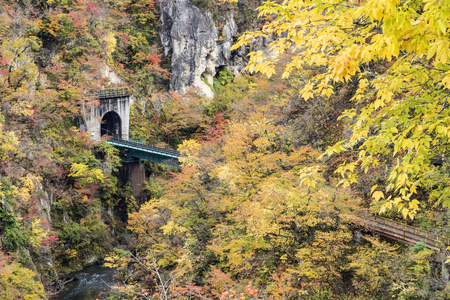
x: 402, y: 232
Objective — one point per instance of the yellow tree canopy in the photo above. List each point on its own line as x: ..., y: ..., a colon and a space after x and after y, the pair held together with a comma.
x: 402, y: 118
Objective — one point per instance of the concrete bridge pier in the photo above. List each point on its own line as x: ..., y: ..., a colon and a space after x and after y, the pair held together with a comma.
x: 134, y: 173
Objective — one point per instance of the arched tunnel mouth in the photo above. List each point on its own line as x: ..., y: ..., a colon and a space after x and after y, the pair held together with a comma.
x: 111, y: 125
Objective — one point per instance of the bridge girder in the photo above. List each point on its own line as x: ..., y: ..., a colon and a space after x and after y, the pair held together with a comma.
x: 154, y: 157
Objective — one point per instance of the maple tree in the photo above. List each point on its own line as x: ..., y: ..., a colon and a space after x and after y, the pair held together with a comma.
x: 18, y: 282
x: 400, y: 119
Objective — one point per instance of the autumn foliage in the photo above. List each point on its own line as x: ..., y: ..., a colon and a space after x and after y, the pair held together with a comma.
x: 273, y: 170
x: 395, y: 54
x: 251, y: 214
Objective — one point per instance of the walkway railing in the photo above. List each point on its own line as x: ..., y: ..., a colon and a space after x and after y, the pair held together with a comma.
x: 402, y: 232
x: 112, y: 93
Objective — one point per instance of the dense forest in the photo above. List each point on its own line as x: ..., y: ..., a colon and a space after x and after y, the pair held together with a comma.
x: 342, y: 111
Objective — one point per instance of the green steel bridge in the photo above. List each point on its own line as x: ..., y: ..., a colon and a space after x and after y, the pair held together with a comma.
x: 137, y: 150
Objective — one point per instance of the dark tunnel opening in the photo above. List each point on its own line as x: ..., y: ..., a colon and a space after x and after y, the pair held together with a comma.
x: 111, y: 125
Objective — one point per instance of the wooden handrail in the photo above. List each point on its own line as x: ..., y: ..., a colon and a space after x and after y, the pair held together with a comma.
x: 403, y: 231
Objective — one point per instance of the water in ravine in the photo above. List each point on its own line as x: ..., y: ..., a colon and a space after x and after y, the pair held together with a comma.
x: 94, y: 282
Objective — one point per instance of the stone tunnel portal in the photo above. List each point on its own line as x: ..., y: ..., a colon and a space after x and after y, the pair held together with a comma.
x: 111, y: 125
x: 110, y: 115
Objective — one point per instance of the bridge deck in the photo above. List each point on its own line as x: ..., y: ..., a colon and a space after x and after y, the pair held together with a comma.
x: 139, y: 150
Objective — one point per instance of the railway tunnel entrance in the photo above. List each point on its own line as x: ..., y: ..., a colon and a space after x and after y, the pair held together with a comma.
x: 111, y: 125
x: 108, y: 112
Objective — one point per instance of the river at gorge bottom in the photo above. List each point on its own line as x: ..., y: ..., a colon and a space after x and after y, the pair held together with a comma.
x: 93, y: 283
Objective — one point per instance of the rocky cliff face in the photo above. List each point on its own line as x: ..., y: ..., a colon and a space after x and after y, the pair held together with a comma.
x: 198, y: 47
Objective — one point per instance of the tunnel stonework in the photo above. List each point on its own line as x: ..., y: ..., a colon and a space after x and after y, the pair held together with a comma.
x: 94, y: 115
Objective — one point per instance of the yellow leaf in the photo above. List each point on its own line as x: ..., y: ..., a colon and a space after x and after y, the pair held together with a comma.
x: 363, y: 83
x: 377, y: 195
x: 401, y: 179
x: 373, y: 188
x: 446, y: 81
x: 405, y: 213
x: 414, y: 204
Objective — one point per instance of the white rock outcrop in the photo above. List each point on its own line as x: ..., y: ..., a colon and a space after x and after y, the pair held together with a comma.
x: 197, y: 47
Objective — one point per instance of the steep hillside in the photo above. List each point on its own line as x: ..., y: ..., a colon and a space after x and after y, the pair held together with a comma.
x: 56, y: 188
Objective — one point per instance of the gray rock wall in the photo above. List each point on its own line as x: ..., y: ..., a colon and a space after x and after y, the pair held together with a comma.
x: 198, y: 47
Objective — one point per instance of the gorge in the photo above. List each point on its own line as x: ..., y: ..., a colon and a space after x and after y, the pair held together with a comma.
x: 220, y: 150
